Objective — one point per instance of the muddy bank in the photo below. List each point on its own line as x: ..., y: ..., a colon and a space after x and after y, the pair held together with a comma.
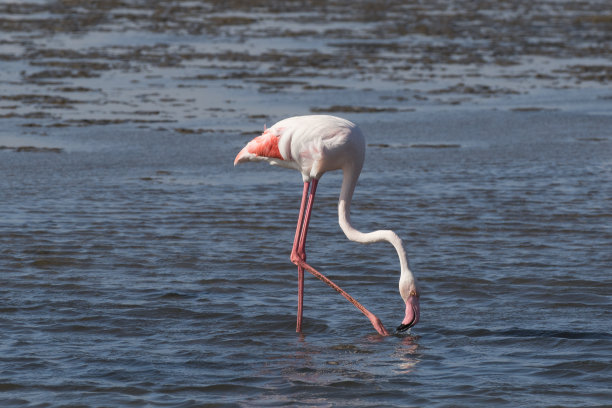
x: 69, y: 63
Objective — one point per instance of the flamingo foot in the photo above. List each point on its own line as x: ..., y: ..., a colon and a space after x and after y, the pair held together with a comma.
x: 378, y: 326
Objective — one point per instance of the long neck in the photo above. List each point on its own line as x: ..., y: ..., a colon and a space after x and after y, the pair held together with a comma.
x: 349, y: 181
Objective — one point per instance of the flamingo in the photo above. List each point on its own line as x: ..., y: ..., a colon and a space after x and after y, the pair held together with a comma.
x: 313, y: 145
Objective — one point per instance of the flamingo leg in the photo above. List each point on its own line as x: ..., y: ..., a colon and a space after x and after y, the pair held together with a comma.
x: 301, y: 250
x: 298, y: 257
x: 296, y: 245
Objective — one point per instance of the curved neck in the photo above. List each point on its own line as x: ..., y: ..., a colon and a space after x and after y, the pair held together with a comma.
x: 349, y: 180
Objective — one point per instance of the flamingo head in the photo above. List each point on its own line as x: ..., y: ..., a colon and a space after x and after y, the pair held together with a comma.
x: 410, y: 294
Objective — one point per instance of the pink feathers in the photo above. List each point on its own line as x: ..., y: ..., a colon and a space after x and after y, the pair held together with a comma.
x: 265, y: 145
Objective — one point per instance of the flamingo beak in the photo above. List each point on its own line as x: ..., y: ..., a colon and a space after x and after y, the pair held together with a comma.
x: 403, y: 327
x: 412, y: 314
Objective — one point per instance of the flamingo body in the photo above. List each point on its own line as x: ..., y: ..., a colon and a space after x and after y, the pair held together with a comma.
x: 313, y: 145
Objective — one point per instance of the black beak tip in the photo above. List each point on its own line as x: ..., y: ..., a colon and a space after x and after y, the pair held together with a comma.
x: 403, y: 327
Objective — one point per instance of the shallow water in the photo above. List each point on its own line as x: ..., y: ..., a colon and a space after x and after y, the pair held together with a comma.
x: 140, y: 268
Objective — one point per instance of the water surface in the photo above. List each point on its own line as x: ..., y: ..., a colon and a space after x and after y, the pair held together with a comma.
x: 140, y: 268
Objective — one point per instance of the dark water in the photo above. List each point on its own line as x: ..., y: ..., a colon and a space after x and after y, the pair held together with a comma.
x: 138, y: 267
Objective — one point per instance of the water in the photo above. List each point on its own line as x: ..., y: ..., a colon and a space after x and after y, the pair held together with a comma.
x: 140, y: 268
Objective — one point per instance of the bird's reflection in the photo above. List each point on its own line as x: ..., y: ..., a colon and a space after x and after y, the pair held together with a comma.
x: 406, y: 354
x: 315, y: 363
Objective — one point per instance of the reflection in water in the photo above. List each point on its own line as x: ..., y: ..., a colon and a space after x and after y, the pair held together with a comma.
x: 405, y: 355
x: 318, y: 363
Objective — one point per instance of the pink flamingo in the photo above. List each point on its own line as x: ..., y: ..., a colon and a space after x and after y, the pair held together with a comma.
x: 314, y: 145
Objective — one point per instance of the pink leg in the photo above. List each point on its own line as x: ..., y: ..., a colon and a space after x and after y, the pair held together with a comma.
x: 301, y: 249
x: 373, y: 319
x: 296, y: 244
x: 298, y: 257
